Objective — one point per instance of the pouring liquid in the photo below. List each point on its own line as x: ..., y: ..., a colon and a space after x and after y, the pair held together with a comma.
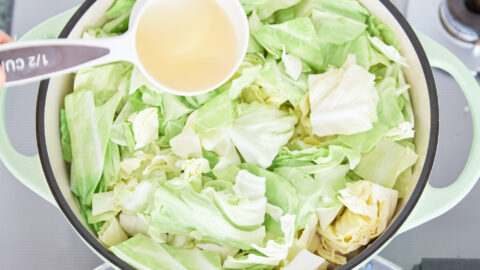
x: 187, y: 45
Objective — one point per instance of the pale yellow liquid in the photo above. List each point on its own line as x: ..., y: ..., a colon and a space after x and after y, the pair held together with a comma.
x: 187, y: 45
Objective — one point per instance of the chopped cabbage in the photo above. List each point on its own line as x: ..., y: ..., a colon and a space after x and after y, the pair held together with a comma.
x: 296, y: 162
x: 369, y: 208
x: 343, y: 101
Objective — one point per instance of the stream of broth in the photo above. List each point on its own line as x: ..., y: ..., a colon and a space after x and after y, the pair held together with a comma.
x: 187, y: 45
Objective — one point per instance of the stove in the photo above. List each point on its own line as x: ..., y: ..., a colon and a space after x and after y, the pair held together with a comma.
x: 378, y: 263
x: 453, y: 23
x: 461, y: 21
x: 6, y: 14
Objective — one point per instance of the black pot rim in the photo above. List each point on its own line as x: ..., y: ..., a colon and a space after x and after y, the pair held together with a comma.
x: 361, y: 257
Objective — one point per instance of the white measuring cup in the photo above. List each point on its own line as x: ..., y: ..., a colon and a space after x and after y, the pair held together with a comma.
x: 31, y: 61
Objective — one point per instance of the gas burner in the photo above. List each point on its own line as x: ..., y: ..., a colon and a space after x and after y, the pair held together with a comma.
x: 453, y: 23
x: 461, y: 19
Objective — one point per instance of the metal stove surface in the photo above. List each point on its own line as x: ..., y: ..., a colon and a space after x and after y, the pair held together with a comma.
x: 424, y: 15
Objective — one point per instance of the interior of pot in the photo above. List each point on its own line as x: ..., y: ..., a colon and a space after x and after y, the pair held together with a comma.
x: 61, y: 86
x: 419, y: 93
x: 58, y: 88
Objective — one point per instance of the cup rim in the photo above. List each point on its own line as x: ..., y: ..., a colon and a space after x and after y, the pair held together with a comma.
x: 242, y: 50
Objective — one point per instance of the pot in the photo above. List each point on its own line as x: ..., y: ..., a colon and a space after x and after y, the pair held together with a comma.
x: 47, y: 174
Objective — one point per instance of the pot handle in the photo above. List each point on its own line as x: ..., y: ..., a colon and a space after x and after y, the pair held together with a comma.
x: 436, y: 201
x: 28, y: 170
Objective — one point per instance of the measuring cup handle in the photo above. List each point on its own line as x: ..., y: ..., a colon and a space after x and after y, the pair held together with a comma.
x: 36, y: 60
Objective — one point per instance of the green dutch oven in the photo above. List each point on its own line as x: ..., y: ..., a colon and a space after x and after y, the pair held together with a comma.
x: 47, y: 174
